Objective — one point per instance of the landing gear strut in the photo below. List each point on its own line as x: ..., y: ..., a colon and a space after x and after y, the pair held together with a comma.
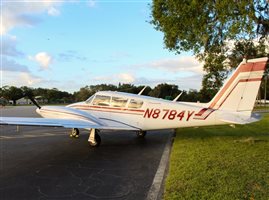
x: 94, y: 138
x: 74, y: 133
x: 141, y: 134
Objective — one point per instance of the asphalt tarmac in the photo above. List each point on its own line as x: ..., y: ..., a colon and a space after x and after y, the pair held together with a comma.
x: 44, y: 163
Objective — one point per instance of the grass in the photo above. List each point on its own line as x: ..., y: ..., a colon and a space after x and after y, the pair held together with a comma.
x: 220, y: 162
x: 261, y: 107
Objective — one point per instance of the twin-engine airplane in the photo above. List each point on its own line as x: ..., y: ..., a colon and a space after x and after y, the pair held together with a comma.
x: 109, y: 110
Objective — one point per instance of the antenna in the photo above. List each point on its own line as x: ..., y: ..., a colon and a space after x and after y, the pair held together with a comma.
x: 175, y: 99
x: 142, y: 90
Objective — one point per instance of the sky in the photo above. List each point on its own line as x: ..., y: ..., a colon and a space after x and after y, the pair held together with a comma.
x: 71, y: 44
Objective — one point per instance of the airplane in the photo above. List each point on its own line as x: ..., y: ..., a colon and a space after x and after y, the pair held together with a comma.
x: 110, y: 110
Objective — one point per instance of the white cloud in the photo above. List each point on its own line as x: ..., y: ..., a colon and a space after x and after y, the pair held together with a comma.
x: 180, y: 64
x: 115, y: 78
x: 184, y: 83
x: 53, y: 11
x: 126, y: 78
x: 24, y: 13
x: 43, y: 59
x: 91, y: 3
x: 19, y: 79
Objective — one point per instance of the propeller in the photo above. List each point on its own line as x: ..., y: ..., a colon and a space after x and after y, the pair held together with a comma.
x: 32, y: 99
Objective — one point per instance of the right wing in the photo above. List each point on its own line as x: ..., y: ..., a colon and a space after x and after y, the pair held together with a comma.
x: 68, y: 118
x: 66, y: 123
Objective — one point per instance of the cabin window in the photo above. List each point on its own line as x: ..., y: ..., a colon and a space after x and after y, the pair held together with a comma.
x: 101, y: 100
x: 118, y: 102
x: 89, y: 100
x: 135, y: 104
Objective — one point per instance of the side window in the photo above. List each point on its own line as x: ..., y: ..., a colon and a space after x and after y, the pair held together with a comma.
x: 101, y: 100
x: 118, y: 102
x: 135, y: 104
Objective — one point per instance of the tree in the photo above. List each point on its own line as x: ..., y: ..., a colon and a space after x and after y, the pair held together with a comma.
x: 12, y: 93
x: 165, y: 91
x: 208, y: 28
x: 205, y: 26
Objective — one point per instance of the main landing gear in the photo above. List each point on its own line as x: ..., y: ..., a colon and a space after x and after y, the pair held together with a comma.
x: 94, y: 138
x: 141, y: 134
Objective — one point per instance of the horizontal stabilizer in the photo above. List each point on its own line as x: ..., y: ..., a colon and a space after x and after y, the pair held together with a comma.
x: 239, y: 118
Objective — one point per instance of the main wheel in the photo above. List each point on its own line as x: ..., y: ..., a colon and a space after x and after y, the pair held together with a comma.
x: 97, y: 139
x: 141, y: 134
x: 74, y: 133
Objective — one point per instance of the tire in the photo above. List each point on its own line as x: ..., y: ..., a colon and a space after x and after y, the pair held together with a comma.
x: 74, y: 133
x: 141, y: 134
x: 97, y: 141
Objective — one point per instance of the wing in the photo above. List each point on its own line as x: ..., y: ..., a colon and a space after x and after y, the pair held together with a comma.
x: 66, y: 123
x: 60, y: 116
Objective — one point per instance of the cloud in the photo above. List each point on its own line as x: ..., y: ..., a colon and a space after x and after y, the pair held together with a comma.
x: 19, y: 79
x: 25, y: 13
x: 180, y: 64
x: 43, y: 59
x: 91, y: 3
x: 9, y: 44
x: 53, y: 11
x: 11, y: 65
x: 70, y: 55
x: 115, y: 78
x: 184, y: 83
x: 126, y: 78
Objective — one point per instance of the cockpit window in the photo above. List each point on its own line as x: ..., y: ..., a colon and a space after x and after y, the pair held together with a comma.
x: 89, y: 100
x: 135, y: 104
x: 118, y: 102
x: 101, y: 100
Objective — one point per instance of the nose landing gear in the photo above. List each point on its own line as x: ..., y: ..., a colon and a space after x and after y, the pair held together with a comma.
x: 74, y: 133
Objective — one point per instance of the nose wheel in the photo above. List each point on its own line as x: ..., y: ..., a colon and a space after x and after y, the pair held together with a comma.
x: 94, y: 138
x: 74, y: 133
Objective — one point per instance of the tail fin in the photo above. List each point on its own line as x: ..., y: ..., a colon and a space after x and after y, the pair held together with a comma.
x: 240, y: 90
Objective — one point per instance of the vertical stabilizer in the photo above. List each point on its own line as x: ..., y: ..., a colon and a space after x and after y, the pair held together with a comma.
x: 240, y: 90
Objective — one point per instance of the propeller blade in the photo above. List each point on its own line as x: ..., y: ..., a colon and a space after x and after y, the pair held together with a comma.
x: 34, y: 101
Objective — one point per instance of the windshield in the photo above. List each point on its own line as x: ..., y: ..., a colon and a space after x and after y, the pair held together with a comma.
x: 89, y: 100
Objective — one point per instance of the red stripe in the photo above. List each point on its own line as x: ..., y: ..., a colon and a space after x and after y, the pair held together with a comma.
x: 203, y: 118
x: 246, y: 67
x: 109, y: 108
x: 88, y: 108
x: 201, y: 112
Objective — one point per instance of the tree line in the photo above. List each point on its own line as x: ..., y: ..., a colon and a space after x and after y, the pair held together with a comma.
x: 163, y: 90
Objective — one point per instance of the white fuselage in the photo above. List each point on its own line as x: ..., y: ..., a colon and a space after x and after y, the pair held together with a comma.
x: 153, y: 114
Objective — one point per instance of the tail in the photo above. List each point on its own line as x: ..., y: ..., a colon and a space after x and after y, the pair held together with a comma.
x: 240, y: 90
